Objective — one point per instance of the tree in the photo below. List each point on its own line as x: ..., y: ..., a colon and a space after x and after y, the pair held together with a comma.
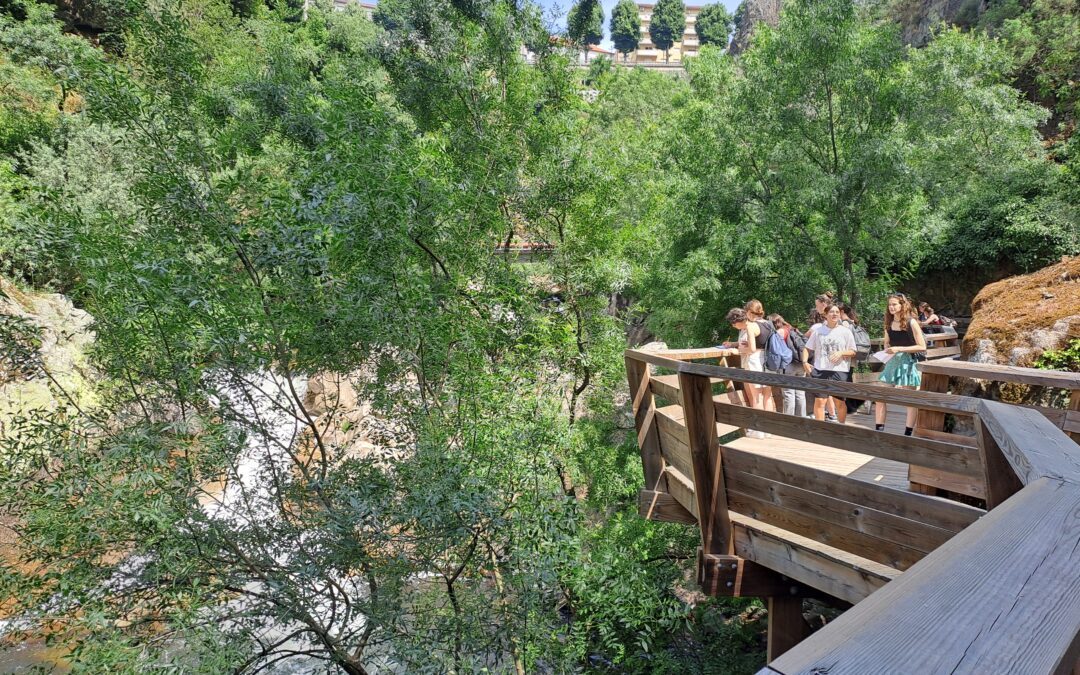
x: 714, y: 25
x: 585, y: 24
x: 667, y: 24
x: 625, y: 27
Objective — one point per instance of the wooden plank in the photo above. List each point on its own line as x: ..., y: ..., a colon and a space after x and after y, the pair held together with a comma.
x: 942, y: 352
x: 663, y: 387
x: 1000, y: 597
x: 1072, y: 423
x: 732, y: 576
x: 839, y: 573
x: 1000, y: 479
x: 682, y: 489
x: 1034, y: 447
x: 662, y: 506
x: 1001, y: 373
x: 931, y: 421
x: 930, y: 338
x: 956, y: 439
x: 676, y: 453
x: 933, y: 478
x: 669, y: 420
x: 924, y: 452
x: 787, y: 627
x: 957, y: 405
x: 702, y: 353
x: 1073, y: 429
x: 876, y: 524
x: 823, y: 531
x: 708, y: 478
x: 644, y: 409
x: 939, y: 513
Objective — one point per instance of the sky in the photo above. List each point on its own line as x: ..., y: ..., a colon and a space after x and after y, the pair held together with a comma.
x: 555, y: 11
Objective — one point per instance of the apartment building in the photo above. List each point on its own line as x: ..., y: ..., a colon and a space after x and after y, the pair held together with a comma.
x: 368, y: 8
x: 647, y: 52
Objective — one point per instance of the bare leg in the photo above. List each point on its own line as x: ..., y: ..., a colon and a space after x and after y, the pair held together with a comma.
x: 911, y: 412
x: 880, y: 411
x: 819, y: 408
x: 841, y: 409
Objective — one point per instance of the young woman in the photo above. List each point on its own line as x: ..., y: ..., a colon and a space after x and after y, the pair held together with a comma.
x: 794, y: 399
x: 849, y: 318
x: 903, y: 339
x: 752, y: 348
x: 834, y: 348
x: 928, y: 320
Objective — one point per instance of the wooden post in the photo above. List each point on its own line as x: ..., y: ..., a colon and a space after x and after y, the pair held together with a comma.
x: 652, y: 462
x: 1001, y: 481
x: 930, y: 420
x: 1074, y: 404
x: 700, y: 418
x: 787, y: 627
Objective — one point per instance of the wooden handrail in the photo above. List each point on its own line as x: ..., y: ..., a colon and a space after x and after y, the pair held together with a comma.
x: 1000, y: 373
x: 1001, y: 596
x: 957, y: 405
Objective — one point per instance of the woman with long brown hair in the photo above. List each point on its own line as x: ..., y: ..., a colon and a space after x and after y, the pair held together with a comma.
x: 903, y: 340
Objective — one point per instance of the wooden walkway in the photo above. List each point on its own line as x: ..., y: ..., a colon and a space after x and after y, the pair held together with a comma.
x: 817, y: 507
x: 841, y: 462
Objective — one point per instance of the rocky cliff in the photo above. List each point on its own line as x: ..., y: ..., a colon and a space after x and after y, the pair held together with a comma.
x: 917, y: 18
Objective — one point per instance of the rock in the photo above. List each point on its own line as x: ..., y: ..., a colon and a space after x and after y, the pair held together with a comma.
x: 748, y: 16
x: 65, y: 338
x: 1015, y: 320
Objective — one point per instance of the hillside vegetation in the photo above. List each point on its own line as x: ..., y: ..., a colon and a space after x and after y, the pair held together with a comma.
x: 246, y: 196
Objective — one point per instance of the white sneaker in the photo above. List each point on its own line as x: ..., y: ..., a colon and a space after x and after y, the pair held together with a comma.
x: 753, y: 433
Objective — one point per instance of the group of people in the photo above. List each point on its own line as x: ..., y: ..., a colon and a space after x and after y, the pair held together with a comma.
x: 827, y: 351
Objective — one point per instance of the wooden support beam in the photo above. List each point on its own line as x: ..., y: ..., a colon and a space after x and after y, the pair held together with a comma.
x: 787, y: 627
x: 931, y: 420
x: 1074, y: 405
x: 1001, y: 481
x: 708, y: 477
x: 1034, y: 447
x: 663, y: 507
x: 734, y: 576
x: 838, y: 573
x: 644, y: 408
x: 939, y: 513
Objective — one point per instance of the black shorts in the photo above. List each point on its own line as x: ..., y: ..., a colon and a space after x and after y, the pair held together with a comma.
x: 835, y: 375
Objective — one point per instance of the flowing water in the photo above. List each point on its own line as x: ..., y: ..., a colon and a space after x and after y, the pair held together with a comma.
x: 262, y: 409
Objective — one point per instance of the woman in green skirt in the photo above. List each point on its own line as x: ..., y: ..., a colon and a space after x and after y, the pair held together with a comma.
x: 903, y: 340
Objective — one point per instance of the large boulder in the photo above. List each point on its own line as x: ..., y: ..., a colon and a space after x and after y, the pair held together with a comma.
x: 1015, y: 320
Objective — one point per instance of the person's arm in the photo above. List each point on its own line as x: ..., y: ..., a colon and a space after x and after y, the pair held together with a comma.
x: 811, y: 343
x: 920, y: 339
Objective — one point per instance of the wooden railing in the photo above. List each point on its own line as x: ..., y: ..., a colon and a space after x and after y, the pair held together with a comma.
x: 940, y: 586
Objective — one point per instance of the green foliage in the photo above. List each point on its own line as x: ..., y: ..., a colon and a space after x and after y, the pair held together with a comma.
x: 714, y: 24
x: 1067, y: 358
x: 625, y: 26
x: 585, y: 22
x: 667, y: 24
x: 833, y: 157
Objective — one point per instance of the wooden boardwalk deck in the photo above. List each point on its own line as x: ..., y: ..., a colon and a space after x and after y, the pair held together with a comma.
x: 855, y: 465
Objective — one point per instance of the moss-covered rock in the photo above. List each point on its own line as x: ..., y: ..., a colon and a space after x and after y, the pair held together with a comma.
x: 63, y: 337
x: 1015, y: 320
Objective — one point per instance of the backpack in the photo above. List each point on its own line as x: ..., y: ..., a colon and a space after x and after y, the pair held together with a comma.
x: 862, y: 342
x: 777, y: 354
x: 797, y: 342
